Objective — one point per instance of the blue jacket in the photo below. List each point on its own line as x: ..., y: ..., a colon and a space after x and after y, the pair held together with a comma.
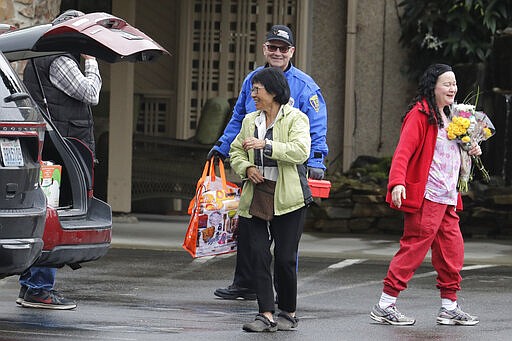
x: 305, y: 95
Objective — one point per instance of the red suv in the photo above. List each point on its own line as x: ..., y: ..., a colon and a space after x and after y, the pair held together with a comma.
x: 79, y: 228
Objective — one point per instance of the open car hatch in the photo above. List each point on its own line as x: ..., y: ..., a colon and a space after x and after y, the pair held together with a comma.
x: 97, y: 34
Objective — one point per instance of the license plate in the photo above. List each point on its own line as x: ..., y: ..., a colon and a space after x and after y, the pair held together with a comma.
x: 11, y: 153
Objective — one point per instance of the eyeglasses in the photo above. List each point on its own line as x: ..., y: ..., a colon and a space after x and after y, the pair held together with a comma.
x: 255, y: 89
x: 274, y: 48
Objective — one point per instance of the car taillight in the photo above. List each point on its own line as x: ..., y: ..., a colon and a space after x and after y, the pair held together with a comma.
x: 6, y: 28
x: 40, y: 135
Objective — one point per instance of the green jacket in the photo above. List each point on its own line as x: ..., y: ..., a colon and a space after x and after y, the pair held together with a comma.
x: 290, y: 148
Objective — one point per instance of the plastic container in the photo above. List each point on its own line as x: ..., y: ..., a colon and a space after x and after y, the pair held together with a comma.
x: 319, y: 188
x: 50, y: 182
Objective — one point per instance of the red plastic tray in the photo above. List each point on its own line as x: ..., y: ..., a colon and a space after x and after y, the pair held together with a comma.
x: 319, y: 188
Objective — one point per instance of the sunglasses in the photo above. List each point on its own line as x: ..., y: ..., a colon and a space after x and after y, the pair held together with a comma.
x: 274, y: 48
x: 256, y: 89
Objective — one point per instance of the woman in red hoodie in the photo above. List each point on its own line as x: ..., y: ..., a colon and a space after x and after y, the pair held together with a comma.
x: 423, y: 184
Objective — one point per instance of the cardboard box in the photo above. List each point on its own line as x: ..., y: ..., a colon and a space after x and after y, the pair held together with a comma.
x: 50, y: 182
x: 319, y: 188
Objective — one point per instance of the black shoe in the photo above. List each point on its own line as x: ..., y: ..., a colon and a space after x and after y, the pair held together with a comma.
x: 235, y: 293
x: 21, y: 295
x: 40, y: 298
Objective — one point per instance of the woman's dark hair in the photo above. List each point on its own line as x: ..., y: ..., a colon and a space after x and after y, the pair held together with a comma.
x: 274, y: 81
x: 426, y: 87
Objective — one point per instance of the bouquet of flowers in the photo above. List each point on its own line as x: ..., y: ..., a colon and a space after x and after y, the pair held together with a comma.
x: 469, y: 126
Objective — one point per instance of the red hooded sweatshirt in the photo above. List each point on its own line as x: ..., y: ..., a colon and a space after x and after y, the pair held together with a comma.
x: 412, y: 158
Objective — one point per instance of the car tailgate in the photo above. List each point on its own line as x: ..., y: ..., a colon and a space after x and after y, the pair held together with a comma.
x: 101, y: 35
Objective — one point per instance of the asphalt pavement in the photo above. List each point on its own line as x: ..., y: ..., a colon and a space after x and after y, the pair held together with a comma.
x: 160, y: 232
x: 148, y: 288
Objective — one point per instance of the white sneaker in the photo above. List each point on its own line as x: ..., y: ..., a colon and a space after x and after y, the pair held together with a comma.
x: 390, y: 315
x: 456, y: 317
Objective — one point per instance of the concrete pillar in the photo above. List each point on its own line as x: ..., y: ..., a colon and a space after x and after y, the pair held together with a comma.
x: 121, y: 122
x: 303, y: 39
x: 350, y: 67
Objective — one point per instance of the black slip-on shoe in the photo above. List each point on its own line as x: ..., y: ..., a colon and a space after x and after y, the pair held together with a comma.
x: 234, y: 292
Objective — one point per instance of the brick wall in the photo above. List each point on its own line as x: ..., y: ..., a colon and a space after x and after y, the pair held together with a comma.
x: 23, y: 13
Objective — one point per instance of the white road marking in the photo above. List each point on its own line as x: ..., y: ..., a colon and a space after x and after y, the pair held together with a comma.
x: 345, y: 263
x: 333, y: 267
x: 368, y: 283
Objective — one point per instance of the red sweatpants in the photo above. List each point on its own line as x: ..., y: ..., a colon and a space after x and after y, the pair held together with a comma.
x: 433, y: 226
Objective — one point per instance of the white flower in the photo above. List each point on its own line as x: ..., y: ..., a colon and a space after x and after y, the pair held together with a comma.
x: 464, y: 107
x: 431, y: 42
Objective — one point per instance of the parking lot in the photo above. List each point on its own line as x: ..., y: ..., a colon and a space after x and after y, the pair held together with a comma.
x: 150, y: 289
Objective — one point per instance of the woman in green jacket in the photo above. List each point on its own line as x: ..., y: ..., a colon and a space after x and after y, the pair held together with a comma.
x: 270, y: 153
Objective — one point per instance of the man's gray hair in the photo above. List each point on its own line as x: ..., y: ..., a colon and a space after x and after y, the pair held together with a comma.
x: 69, y: 14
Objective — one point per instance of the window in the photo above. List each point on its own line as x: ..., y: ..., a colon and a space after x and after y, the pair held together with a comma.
x: 152, y: 116
x: 223, y: 45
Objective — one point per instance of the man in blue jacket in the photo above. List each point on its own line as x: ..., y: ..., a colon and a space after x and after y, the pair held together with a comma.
x: 305, y: 95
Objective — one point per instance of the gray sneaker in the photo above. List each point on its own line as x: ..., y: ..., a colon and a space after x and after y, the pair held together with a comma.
x: 390, y: 315
x: 46, y: 299
x: 260, y: 324
x: 286, y: 322
x: 456, y: 317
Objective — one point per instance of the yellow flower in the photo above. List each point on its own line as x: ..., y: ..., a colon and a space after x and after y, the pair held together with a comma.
x: 458, y: 128
x: 465, y: 139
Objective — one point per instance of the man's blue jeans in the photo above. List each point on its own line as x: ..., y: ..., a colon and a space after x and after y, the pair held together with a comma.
x: 38, y: 278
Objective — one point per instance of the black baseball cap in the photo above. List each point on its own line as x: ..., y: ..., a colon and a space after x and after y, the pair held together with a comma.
x: 281, y: 33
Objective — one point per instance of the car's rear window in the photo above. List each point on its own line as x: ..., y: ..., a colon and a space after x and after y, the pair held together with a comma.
x: 15, y: 108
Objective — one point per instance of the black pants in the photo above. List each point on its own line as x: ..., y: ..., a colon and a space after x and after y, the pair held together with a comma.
x: 243, y: 277
x: 243, y: 270
x: 285, y: 231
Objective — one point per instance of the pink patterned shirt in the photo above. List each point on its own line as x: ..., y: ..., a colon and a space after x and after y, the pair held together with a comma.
x: 444, y: 171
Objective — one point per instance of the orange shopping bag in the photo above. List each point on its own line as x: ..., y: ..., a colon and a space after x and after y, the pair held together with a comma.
x: 213, y: 214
